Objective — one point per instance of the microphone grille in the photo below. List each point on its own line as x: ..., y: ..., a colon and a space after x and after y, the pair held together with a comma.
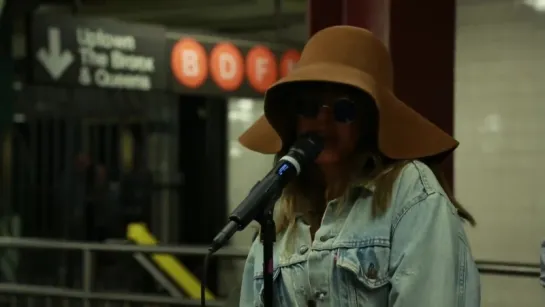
x: 311, y: 145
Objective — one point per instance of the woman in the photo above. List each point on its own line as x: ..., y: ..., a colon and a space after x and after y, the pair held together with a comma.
x: 373, y: 223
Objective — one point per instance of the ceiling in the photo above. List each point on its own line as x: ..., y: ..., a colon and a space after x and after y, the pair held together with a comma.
x: 282, y: 20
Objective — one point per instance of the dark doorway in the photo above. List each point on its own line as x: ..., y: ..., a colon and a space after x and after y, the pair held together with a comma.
x: 203, y: 156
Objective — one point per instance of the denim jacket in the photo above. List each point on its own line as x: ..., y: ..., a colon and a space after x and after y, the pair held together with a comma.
x: 416, y: 254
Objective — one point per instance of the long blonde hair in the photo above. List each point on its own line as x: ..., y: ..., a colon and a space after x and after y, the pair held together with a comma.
x: 306, y: 195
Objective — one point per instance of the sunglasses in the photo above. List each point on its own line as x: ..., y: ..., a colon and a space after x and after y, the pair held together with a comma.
x: 344, y: 109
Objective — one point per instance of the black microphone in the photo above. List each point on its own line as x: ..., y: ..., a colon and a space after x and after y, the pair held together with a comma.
x: 268, y: 190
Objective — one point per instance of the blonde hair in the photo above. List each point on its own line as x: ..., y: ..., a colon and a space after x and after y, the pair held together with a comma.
x: 306, y: 195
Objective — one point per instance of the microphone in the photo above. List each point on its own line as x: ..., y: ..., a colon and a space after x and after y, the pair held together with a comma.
x: 268, y: 190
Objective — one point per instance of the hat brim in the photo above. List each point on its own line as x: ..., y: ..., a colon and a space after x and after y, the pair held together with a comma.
x: 261, y: 137
x: 402, y: 133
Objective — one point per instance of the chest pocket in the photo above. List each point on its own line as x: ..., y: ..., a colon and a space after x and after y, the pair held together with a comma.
x: 363, y: 274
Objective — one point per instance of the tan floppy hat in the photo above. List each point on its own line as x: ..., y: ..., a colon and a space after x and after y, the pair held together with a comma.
x: 354, y: 57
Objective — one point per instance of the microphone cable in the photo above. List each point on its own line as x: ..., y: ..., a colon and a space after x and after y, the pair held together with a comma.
x: 204, y: 276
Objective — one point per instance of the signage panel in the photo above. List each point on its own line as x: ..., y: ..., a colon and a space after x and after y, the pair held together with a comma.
x: 101, y: 53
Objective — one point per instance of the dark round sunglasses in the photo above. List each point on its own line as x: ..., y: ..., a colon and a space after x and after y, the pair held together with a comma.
x: 344, y: 109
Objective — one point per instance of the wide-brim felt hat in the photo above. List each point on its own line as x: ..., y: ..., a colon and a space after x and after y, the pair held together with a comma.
x: 352, y: 57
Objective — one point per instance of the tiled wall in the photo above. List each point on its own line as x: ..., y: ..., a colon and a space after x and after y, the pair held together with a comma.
x: 500, y: 122
x: 245, y: 167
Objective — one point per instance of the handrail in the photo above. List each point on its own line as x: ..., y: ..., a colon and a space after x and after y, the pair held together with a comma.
x: 485, y: 267
x: 150, y: 267
x: 87, y: 294
x: 509, y: 269
x: 508, y: 264
x: 46, y: 291
x: 16, y: 242
x: 176, y: 270
x: 157, y: 275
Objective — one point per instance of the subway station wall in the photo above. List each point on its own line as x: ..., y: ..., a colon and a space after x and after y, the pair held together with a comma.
x: 500, y: 122
x: 245, y: 168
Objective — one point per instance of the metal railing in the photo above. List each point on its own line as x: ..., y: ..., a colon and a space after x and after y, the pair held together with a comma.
x: 86, y: 295
x: 514, y: 269
x: 153, y: 270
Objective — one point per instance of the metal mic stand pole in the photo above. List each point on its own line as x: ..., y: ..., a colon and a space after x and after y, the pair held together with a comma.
x: 268, y: 238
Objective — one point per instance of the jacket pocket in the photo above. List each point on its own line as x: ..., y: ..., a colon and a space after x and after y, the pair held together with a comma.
x: 363, y: 274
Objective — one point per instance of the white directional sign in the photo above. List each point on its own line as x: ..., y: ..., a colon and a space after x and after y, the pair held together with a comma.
x: 54, y: 59
x: 101, y: 53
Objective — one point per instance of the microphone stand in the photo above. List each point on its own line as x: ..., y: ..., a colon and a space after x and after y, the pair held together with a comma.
x: 264, y: 195
x: 268, y: 238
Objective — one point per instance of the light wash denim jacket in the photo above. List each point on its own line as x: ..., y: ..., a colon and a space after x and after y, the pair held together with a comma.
x: 414, y: 255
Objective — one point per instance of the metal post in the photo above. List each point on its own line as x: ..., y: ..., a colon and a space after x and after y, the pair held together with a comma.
x: 87, y: 276
x: 7, y: 64
x: 279, y: 18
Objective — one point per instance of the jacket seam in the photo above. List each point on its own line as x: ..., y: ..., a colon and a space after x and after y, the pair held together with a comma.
x: 415, y: 201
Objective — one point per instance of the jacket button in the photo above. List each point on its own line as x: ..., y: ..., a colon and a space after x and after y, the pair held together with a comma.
x: 303, y: 249
x: 371, y: 272
x: 324, y: 238
x: 321, y: 295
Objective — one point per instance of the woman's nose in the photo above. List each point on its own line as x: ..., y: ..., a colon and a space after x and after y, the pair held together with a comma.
x: 325, y: 114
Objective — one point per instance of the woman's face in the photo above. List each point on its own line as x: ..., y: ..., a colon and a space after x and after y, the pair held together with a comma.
x: 335, y: 117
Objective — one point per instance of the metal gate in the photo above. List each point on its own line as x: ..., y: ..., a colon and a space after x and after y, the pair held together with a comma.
x: 80, y: 164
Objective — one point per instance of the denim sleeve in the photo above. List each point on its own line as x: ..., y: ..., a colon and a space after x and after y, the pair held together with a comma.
x: 542, y: 262
x: 247, y: 287
x: 431, y: 263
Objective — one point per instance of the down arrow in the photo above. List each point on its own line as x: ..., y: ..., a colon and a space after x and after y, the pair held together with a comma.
x: 53, y: 59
